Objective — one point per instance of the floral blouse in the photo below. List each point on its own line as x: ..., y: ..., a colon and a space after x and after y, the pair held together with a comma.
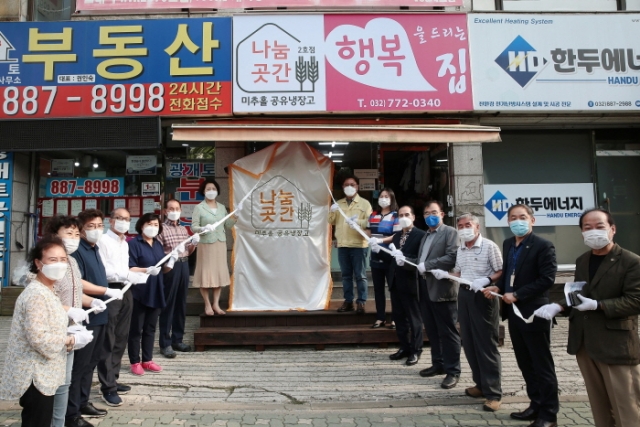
x: 69, y: 288
x: 36, y: 350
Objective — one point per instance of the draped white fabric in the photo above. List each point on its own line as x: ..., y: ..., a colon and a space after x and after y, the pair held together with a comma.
x: 281, y: 255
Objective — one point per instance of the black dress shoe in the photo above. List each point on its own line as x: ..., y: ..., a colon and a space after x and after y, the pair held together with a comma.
x: 378, y: 324
x: 526, y: 415
x: 346, y: 306
x: 77, y: 422
x: 400, y: 354
x: 542, y: 423
x: 91, y: 411
x: 413, y: 359
x: 449, y: 381
x: 360, y: 309
x: 123, y: 389
x: 431, y: 372
x: 185, y: 348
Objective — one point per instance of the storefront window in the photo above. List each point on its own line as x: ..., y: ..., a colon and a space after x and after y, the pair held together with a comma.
x: 53, y: 10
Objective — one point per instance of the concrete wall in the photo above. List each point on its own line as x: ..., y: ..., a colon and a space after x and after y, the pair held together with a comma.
x: 20, y: 222
x: 467, y: 179
x: 10, y: 10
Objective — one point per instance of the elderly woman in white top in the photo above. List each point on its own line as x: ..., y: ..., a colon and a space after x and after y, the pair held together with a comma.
x: 40, y: 338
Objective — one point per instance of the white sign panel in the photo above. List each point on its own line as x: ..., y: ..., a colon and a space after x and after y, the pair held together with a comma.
x: 278, y: 64
x: 555, y: 62
x: 62, y: 167
x: 141, y: 165
x: 552, y: 204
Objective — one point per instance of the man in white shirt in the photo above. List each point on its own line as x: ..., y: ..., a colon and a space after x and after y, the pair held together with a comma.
x: 114, y: 252
x: 479, y: 261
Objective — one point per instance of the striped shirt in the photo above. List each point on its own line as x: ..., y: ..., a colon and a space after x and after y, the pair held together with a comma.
x: 481, y: 260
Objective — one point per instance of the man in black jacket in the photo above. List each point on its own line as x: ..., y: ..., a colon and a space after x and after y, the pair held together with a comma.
x: 529, y: 269
x: 403, y: 287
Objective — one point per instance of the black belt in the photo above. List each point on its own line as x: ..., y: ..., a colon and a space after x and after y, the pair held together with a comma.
x: 463, y: 286
x: 183, y: 259
x: 116, y: 285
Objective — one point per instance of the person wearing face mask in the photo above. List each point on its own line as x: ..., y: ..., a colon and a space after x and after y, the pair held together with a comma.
x: 176, y: 280
x: 39, y: 340
x: 403, y: 287
x: 145, y: 251
x: 212, y: 271
x: 480, y: 261
x: 72, y: 291
x: 603, y: 329
x: 352, y: 247
x: 383, y: 223
x: 85, y: 360
x: 114, y: 251
x: 438, y: 296
x: 529, y: 271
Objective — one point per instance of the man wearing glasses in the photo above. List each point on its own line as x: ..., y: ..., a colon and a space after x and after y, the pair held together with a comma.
x: 87, y: 358
x: 114, y: 252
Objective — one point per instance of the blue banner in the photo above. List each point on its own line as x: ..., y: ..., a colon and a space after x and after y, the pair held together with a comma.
x: 6, y: 189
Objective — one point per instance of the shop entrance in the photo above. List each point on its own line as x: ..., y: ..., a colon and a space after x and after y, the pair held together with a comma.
x: 618, y: 183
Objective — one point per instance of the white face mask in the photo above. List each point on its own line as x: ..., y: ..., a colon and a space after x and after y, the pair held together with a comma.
x: 384, y: 202
x: 93, y: 235
x: 350, y: 191
x: 150, y: 232
x: 55, y: 271
x: 121, y: 226
x: 71, y: 245
x: 405, y: 222
x: 173, y: 216
x: 211, y: 195
x: 596, y: 239
x: 466, y: 234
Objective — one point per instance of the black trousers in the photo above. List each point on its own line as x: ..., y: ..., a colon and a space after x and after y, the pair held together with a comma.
x: 479, y: 319
x: 142, y: 332
x: 440, y: 320
x: 379, y: 277
x: 533, y: 354
x: 172, y: 318
x: 115, y: 342
x: 37, y: 409
x: 406, y: 315
x: 85, y: 361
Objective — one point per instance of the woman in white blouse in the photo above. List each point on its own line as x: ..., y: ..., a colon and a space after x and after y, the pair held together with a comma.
x: 39, y: 340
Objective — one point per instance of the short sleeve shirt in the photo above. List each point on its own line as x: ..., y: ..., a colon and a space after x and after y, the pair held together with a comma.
x: 480, y: 260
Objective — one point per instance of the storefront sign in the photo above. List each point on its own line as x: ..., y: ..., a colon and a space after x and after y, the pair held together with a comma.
x: 110, y: 5
x: 84, y: 187
x: 6, y: 192
x: 552, y: 204
x: 190, y: 169
x: 62, y: 167
x: 555, y: 62
x: 150, y: 188
x: 158, y: 67
x: 351, y: 63
x: 142, y: 165
x: 366, y: 173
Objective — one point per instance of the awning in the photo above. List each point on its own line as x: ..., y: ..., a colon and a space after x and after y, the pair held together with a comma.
x: 388, y: 131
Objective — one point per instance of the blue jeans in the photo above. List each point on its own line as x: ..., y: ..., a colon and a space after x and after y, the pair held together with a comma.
x: 62, y: 396
x: 353, y: 266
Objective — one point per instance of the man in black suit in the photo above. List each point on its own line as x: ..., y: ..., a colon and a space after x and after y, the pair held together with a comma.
x: 529, y: 266
x: 403, y: 287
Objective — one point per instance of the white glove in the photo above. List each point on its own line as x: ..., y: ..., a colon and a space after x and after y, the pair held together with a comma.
x: 439, y: 274
x: 78, y: 315
x: 479, y: 284
x: 195, y: 239
x: 154, y: 271
x: 334, y: 207
x: 99, y: 305
x: 171, y: 262
x: 587, y: 304
x: 238, y: 207
x: 113, y: 293
x: 374, y: 241
x: 208, y: 228
x: 352, y: 222
x: 548, y: 311
x: 421, y: 268
x: 375, y: 248
x: 81, y: 335
x: 400, y: 259
x: 179, y: 249
x: 396, y: 253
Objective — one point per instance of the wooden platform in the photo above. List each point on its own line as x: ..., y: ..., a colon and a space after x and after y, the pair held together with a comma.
x: 317, y: 328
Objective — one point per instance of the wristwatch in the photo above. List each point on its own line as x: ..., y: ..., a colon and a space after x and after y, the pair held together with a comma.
x: 515, y: 295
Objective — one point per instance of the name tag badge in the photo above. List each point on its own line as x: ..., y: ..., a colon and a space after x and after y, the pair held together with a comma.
x: 513, y: 277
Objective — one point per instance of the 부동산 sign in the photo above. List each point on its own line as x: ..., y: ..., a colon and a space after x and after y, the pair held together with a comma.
x: 555, y: 62
x: 552, y: 204
x: 155, y: 67
x: 351, y: 63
